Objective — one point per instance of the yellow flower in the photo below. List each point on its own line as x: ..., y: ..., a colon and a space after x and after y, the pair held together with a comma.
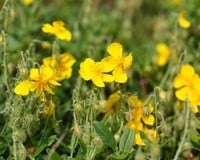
x: 27, y: 2
x: 62, y: 65
x: 23, y: 88
x: 183, y: 22
x: 137, y: 112
x: 117, y: 62
x: 41, y: 79
x: 112, y: 103
x: 163, y: 54
x: 95, y: 71
x: 187, y: 83
x: 49, y: 108
x: 58, y: 29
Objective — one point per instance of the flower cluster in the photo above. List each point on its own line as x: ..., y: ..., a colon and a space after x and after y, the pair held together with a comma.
x: 115, y: 63
x: 187, y: 84
x: 53, y: 70
x: 140, y: 119
x: 58, y: 29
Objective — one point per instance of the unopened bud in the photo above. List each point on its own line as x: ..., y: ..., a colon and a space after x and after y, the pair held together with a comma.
x: 139, y: 156
x: 97, y: 141
x: 77, y: 130
x: 154, y: 151
x: 77, y: 108
x: 117, y: 137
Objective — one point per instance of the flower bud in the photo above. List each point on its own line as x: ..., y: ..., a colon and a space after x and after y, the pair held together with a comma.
x: 19, y: 136
x: 117, y: 137
x: 154, y: 151
x: 139, y: 156
x: 97, y: 141
x: 77, y: 108
x: 77, y: 130
x: 186, y: 149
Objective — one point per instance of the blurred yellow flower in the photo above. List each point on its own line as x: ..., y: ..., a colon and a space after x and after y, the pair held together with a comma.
x: 112, y: 103
x: 27, y: 2
x: 163, y: 54
x: 23, y: 88
x: 117, y: 62
x: 187, y: 83
x: 183, y: 22
x: 176, y: 2
x: 1, y: 39
x: 95, y: 71
x: 58, y: 29
x: 46, y: 44
x: 62, y: 65
x: 49, y: 108
x: 41, y: 79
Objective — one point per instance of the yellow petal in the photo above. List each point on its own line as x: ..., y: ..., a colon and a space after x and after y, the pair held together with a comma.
x: 179, y: 81
x: 86, y: 69
x: 181, y: 93
x: 48, y: 89
x: 108, y: 63
x: 138, y: 139
x: 187, y: 71
x: 183, y: 22
x: 66, y: 35
x: 148, y: 120
x: 27, y: 2
x: 115, y: 50
x: 163, y: 53
x: 50, y: 61
x: 127, y: 61
x: 22, y: 88
x: 194, y: 107
x: 119, y: 75
x: 58, y: 23
x: 46, y: 72
x: 98, y: 81
x: 34, y: 74
x: 107, y: 78
x: 47, y: 28
x: 186, y: 76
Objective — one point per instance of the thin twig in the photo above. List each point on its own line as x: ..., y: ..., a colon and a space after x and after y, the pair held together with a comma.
x: 57, y: 144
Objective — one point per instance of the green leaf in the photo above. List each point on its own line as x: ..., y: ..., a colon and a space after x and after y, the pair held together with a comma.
x: 195, y: 137
x: 106, y: 136
x: 126, y: 140
x: 51, y: 140
x: 39, y: 150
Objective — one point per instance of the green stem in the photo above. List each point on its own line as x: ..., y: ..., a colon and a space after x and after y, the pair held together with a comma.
x: 187, y: 114
x: 5, y: 63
